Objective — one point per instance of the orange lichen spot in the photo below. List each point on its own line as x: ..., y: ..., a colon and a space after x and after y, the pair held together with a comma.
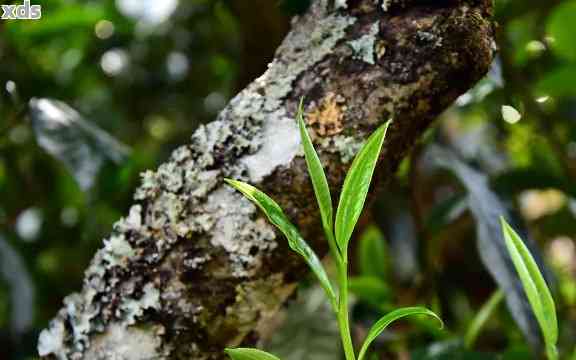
x: 326, y: 119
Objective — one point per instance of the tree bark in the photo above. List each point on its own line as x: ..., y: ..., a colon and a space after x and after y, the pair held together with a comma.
x: 194, y: 267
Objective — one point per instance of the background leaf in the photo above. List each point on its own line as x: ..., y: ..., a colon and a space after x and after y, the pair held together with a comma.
x: 356, y: 187
x: 482, y: 317
x: 562, y: 27
x: 372, y: 254
x: 14, y: 273
x: 81, y: 146
x: 487, y: 208
x: 369, y: 289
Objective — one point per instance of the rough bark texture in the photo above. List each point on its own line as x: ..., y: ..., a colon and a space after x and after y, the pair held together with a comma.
x: 194, y: 267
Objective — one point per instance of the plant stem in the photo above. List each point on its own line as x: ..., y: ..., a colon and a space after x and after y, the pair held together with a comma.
x: 334, y: 250
x: 343, y: 317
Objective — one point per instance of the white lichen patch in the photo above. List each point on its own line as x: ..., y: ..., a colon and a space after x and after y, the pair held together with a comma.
x: 341, y: 4
x: 242, y: 238
x: 363, y: 47
x: 281, y: 145
x: 133, y: 308
x: 345, y: 146
x: 117, y: 251
x: 51, y: 340
x: 79, y: 309
x: 127, y: 343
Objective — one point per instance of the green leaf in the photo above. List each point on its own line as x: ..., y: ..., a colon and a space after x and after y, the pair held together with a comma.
x: 249, y: 354
x: 535, y: 287
x: 277, y: 217
x: 372, y: 257
x: 356, y: 187
x: 319, y: 182
x: 482, y: 317
x: 389, y: 318
x: 370, y: 290
x: 559, y: 81
x: 561, y: 27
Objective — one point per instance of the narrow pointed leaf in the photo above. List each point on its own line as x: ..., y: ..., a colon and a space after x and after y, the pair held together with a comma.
x: 249, y: 354
x: 319, y: 182
x: 388, y: 319
x: 356, y: 185
x: 534, y: 285
x: 483, y: 315
x: 295, y: 240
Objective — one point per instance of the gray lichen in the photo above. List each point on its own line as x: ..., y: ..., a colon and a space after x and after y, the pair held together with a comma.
x: 386, y: 4
x: 341, y: 4
x: 345, y: 146
x: 364, y: 46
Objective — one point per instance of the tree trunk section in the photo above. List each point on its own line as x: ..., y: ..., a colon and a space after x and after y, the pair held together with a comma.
x: 194, y: 267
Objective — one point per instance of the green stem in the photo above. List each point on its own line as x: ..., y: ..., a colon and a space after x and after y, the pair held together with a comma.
x: 343, y: 317
x: 334, y: 250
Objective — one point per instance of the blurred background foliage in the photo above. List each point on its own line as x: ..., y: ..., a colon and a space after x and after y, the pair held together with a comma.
x: 118, y: 84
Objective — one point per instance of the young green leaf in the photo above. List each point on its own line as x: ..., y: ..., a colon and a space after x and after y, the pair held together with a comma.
x: 482, y: 317
x: 319, y: 182
x: 356, y: 187
x: 249, y: 354
x: 535, y: 287
x: 277, y: 217
x: 389, y: 318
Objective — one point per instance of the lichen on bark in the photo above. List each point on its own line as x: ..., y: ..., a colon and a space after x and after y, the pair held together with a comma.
x: 194, y: 267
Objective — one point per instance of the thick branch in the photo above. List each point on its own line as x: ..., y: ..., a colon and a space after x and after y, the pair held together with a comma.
x: 195, y: 267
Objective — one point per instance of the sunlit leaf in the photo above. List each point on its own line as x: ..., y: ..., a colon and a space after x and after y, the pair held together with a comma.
x: 249, y: 354
x: 319, y: 182
x: 510, y: 114
x: 534, y: 285
x: 80, y: 145
x: 389, y: 318
x: 295, y: 241
x: 356, y: 185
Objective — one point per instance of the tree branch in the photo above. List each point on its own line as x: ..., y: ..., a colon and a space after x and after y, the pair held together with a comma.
x: 194, y: 267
